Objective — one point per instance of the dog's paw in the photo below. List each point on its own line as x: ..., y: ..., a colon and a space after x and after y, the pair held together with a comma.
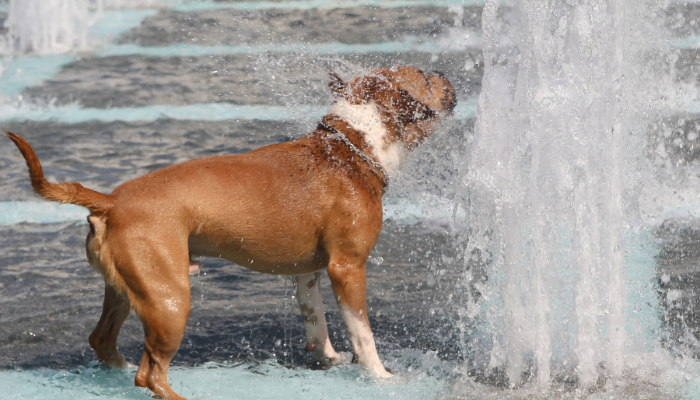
x: 344, y: 357
x: 323, y: 361
x: 385, y: 373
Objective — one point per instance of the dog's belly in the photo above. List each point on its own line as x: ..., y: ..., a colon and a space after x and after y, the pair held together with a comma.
x: 266, y: 255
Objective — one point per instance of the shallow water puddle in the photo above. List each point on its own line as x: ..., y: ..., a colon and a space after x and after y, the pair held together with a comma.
x: 266, y: 380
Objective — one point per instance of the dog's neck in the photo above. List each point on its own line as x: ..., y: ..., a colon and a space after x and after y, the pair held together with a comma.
x: 367, y: 119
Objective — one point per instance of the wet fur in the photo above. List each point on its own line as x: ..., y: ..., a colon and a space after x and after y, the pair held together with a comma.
x: 322, y: 210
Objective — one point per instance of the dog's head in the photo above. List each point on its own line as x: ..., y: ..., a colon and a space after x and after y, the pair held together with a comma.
x: 409, y: 101
x: 395, y: 108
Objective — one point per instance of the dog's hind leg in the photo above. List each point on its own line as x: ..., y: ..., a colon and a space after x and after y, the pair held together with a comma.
x: 103, y: 339
x: 164, y: 327
x: 349, y: 285
x: 164, y: 316
x: 156, y: 272
x: 311, y: 306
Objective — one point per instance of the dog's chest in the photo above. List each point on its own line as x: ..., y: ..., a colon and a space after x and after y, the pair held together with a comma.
x: 367, y: 119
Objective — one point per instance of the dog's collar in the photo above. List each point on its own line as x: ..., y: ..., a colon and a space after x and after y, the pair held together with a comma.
x: 339, y: 135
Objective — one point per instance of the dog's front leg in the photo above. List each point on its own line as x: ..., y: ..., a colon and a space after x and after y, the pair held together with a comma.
x: 309, y: 298
x: 349, y: 285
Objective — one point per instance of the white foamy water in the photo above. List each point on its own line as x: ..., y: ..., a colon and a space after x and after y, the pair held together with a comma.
x: 40, y: 26
x: 553, y: 186
x: 652, y: 375
x: 263, y: 381
x: 19, y: 71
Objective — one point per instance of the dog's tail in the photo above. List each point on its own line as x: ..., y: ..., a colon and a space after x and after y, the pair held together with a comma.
x: 64, y: 192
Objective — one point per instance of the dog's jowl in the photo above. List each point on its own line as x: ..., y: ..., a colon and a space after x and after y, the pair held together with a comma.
x: 293, y: 208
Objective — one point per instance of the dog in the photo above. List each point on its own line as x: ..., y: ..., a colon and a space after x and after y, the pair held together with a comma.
x: 291, y: 208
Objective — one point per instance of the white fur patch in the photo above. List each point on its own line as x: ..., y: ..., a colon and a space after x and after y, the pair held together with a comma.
x: 367, y: 119
x: 314, y: 323
x: 363, y: 341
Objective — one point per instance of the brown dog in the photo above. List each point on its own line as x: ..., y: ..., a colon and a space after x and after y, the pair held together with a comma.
x: 291, y: 209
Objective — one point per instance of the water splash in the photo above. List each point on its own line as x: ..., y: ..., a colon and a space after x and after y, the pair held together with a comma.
x: 45, y: 27
x: 549, y: 168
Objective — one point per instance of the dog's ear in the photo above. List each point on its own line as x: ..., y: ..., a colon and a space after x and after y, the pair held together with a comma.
x: 336, y: 84
x: 410, y: 108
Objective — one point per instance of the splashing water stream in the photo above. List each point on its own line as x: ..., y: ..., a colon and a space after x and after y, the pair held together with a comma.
x: 42, y: 27
x: 550, y: 165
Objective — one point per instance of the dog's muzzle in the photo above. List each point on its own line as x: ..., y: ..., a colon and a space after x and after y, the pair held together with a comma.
x: 449, y: 102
